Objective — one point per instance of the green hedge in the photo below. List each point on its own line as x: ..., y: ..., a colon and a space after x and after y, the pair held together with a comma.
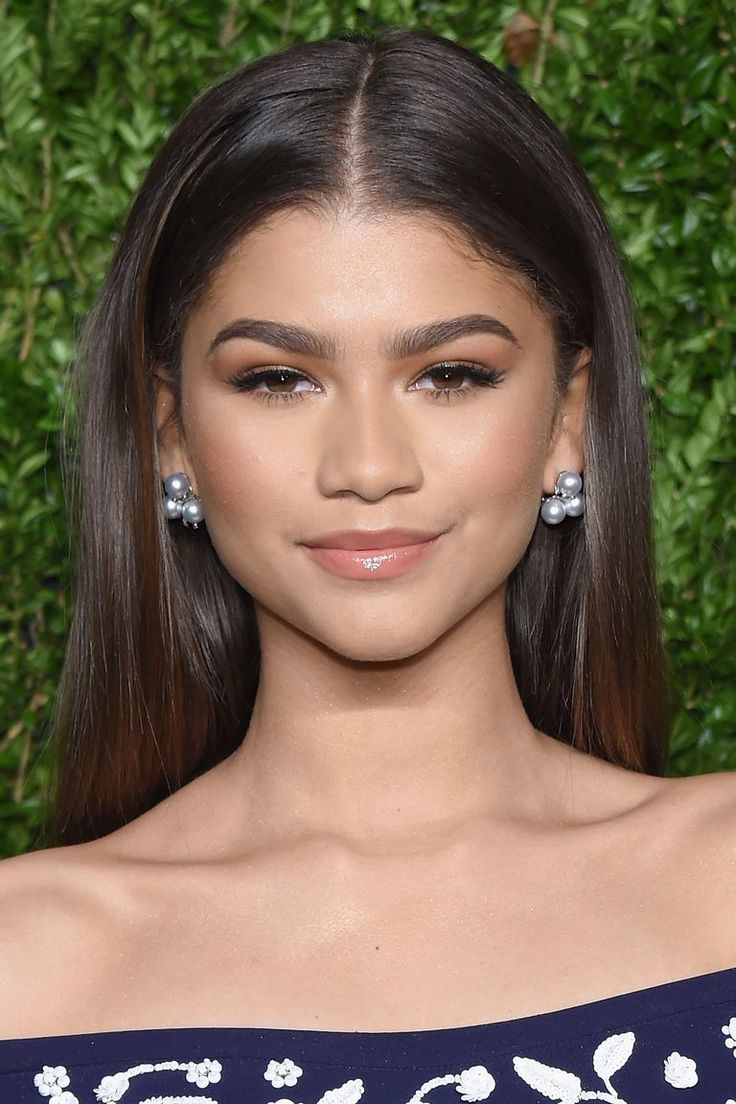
x: 646, y: 92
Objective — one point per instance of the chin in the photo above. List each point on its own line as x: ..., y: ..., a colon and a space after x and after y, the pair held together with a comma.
x: 380, y: 645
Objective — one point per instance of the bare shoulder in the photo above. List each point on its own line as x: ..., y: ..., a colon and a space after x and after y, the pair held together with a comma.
x: 58, y: 914
x: 692, y: 806
x: 677, y: 850
x: 54, y: 876
x: 703, y: 802
x: 44, y: 892
x: 684, y: 828
x: 712, y: 798
x: 695, y: 817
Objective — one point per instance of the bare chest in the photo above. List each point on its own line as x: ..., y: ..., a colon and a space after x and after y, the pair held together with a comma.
x: 410, y: 942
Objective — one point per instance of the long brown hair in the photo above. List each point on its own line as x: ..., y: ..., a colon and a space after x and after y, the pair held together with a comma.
x: 162, y: 662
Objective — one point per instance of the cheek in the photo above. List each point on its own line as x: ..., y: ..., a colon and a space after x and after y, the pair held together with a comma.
x: 248, y: 479
x: 497, y: 468
x: 495, y: 479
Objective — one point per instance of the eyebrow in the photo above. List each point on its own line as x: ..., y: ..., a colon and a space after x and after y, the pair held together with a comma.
x: 404, y: 343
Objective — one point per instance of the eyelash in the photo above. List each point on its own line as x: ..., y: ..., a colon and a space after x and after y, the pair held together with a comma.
x: 248, y: 381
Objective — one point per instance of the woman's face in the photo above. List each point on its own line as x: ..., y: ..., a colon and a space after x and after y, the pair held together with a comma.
x: 360, y: 428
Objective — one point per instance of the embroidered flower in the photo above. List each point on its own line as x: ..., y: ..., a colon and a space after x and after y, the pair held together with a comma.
x: 112, y: 1087
x: 729, y: 1030
x: 283, y: 1073
x: 51, y: 1080
x: 476, y: 1083
x: 680, y: 1072
x: 206, y: 1072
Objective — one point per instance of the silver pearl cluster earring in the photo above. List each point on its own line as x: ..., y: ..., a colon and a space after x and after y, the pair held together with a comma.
x: 180, y: 501
x: 567, y: 500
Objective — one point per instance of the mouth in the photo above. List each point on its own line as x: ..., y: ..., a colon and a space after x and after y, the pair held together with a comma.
x: 373, y: 563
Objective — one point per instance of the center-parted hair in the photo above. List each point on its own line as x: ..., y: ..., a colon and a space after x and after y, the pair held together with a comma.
x: 162, y: 661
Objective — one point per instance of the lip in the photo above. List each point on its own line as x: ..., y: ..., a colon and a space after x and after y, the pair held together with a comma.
x: 372, y: 563
x: 371, y: 540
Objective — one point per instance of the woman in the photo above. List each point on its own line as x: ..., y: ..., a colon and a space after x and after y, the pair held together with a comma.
x: 362, y: 724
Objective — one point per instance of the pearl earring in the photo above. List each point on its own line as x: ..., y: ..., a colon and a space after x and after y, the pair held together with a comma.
x: 567, y: 500
x: 180, y: 501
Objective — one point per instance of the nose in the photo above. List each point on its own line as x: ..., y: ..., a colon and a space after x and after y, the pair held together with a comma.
x: 367, y: 447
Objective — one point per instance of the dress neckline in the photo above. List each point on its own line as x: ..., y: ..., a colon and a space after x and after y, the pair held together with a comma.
x: 591, y: 1018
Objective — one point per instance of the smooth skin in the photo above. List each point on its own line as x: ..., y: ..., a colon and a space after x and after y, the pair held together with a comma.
x: 393, y: 846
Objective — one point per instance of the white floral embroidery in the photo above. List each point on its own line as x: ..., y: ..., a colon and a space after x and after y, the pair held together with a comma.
x: 112, y: 1087
x: 206, y: 1072
x: 729, y: 1030
x: 349, y: 1093
x: 178, y: 1100
x: 612, y: 1055
x: 283, y: 1073
x: 680, y: 1072
x: 52, y: 1082
x: 560, y: 1085
x: 553, y: 1083
x: 475, y: 1083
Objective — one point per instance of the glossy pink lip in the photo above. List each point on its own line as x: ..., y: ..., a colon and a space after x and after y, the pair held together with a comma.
x: 368, y: 540
x: 372, y: 563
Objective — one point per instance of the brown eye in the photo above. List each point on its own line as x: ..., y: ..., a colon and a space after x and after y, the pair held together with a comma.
x: 282, y: 384
x: 453, y: 374
x: 284, y: 381
x: 279, y: 384
x: 450, y: 374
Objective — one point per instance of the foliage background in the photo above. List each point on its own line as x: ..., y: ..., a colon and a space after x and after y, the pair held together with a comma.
x: 646, y: 92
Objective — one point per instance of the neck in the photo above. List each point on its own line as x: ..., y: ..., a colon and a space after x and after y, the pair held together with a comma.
x: 380, y: 751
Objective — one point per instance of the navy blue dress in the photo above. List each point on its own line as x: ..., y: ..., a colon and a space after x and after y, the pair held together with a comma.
x: 662, y: 1045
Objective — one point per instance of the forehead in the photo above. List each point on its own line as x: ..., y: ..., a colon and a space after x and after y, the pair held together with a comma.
x: 356, y: 275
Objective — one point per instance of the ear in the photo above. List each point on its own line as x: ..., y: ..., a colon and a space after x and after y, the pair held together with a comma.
x: 172, y: 453
x: 566, y: 451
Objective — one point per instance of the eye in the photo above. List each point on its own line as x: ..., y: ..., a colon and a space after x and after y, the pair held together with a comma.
x: 286, y: 381
x: 459, y: 370
x: 279, y: 377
